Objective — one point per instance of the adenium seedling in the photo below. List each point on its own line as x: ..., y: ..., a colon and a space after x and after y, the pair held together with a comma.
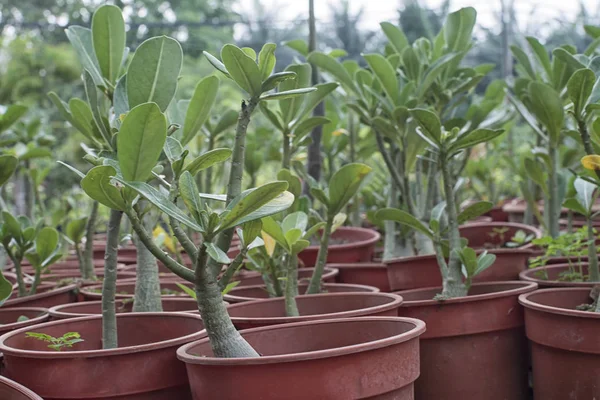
x: 57, y: 343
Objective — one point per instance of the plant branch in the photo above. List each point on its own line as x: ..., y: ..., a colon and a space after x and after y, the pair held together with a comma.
x: 109, y: 314
x: 315, y: 280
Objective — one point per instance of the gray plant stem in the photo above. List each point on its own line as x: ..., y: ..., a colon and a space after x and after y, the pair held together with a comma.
x: 87, y: 257
x: 552, y: 208
x: 109, y: 314
x: 389, y: 245
x: 592, y: 254
x: 286, y: 160
x: 232, y: 268
x: 225, y: 340
x: 315, y: 280
x: 453, y: 285
x: 18, y: 270
x: 291, y: 286
x: 234, y: 187
x: 146, y: 238
x: 187, y: 244
x: 208, y: 172
x: 147, y: 284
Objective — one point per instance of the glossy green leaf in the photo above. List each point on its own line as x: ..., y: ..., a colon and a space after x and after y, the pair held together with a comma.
x: 468, y: 258
x: 295, y: 220
x: 344, y: 184
x: 108, y: 34
x: 153, y: 72
x: 6, y: 289
x: 227, y: 120
x: 11, y: 226
x: 474, y: 210
x: 294, y: 183
x: 579, y: 89
x: 534, y: 171
x: 437, y: 213
x: 403, y: 218
x: 299, y: 45
x: 216, y: 63
x: 547, y: 106
x: 82, y: 117
x: 288, y: 94
x: 306, y: 126
x: 199, y: 108
x: 173, y: 149
x: 91, y: 93
x: 429, y: 125
x: 585, y: 193
x: 274, y: 80
x: 567, y: 58
x: 216, y: 253
x: 140, y: 141
x: 475, y: 137
x: 434, y: 71
x: 541, y: 54
x: 76, y: 229
x: 46, y: 242
x: 320, y: 195
x: 312, y: 99
x: 334, y: 68
x: 386, y: 75
x: 120, y: 100
x: 82, y: 41
x: 524, y: 61
x: 243, y: 69
x: 12, y: 114
x: 574, y: 205
x: 97, y: 185
x: 187, y: 290
x: 273, y: 229
x: 458, y: 29
x: 484, y: 261
x: 266, y: 60
x: 189, y: 192
x: 8, y: 165
x: 207, y: 160
x: 395, y: 35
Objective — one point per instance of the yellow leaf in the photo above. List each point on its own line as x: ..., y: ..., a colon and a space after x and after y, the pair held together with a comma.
x: 269, y: 243
x: 168, y: 241
x: 338, y: 221
x: 591, y: 162
x: 339, y: 132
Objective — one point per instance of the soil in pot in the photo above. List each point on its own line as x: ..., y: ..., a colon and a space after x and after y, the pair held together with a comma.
x: 46, y: 298
x: 373, y: 358
x: 10, y: 390
x: 312, y: 307
x: 18, y: 317
x: 256, y: 292
x: 348, y: 245
x: 247, y: 278
x: 474, y: 346
x: 369, y: 273
x: 565, y: 344
x: 558, y: 275
x: 87, y: 308
x: 144, y: 367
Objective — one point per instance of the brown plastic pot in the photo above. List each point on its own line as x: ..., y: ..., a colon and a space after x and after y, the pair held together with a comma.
x: 64, y: 274
x: 248, y: 278
x: 565, y: 345
x: 368, y: 273
x: 538, y: 275
x: 517, y: 207
x: 481, y: 234
x: 359, y: 247
x: 256, y: 292
x: 373, y: 358
x: 254, y: 314
x: 10, y: 390
x: 475, y: 346
x: 126, y: 289
x: 47, y: 299
x: 9, y: 316
x: 86, y: 308
x: 144, y: 367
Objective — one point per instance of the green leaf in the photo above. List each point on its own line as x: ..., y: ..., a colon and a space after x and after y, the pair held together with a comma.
x: 568, y: 58
x: 541, y: 54
x: 429, y: 124
x: 199, y: 108
x: 292, y: 236
x: 307, y: 125
x: 574, y: 205
x: 153, y: 72
x: 11, y: 226
x: 161, y: 201
x: 468, y: 258
x: 273, y: 229
x: 173, y: 149
x: 82, y: 117
x: 523, y: 59
x: 250, y: 231
x: 484, y: 261
x: 207, y: 160
x: 46, y: 242
x: 227, y: 120
x: 333, y: 67
x: 8, y: 165
x: 120, y: 100
x: 82, y: 41
x: 294, y: 183
x: 313, y: 229
x: 396, y: 37
x: 585, y: 193
x: 266, y: 60
x: 474, y: 210
x: 386, y: 75
x: 344, y: 184
x: 12, y: 114
x: 547, y: 106
x: 274, y: 80
x: 435, y: 70
x: 97, y: 185
x: 91, y: 93
x: 243, y: 69
x: 76, y: 229
x: 404, y: 218
x: 436, y: 216
x: 216, y: 63
x: 250, y: 205
x: 140, y: 141
x: 320, y: 195
x: 535, y: 172
x: 229, y: 287
x: 187, y: 290
x: 475, y: 137
x: 458, y: 28
x: 579, y: 88
x: 288, y: 94
x: 190, y: 194
x: 76, y: 171
x: 108, y: 34
x: 216, y: 253
x: 296, y: 220
x: 5, y: 289
x: 314, y: 98
x: 299, y: 45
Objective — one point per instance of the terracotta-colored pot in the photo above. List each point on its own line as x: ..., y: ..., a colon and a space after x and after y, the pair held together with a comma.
x: 256, y: 292
x: 552, y: 272
x: 373, y: 358
x: 65, y: 274
x: 11, y: 277
x: 475, y: 346
x: 253, y: 314
x: 50, y: 298
x: 10, y: 390
x: 565, y: 344
x: 516, y: 210
x: 359, y: 246
x: 482, y: 234
x: 248, y: 278
x: 368, y: 273
x: 144, y: 367
x: 498, y: 214
x: 126, y: 289
x: 86, y: 308
x: 9, y: 317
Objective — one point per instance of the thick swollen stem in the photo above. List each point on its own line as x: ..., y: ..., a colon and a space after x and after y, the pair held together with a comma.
x: 146, y: 238
x: 87, y: 268
x: 37, y: 278
x: 453, y: 285
x: 553, y: 207
x: 291, y: 286
x: 592, y: 254
x: 315, y: 280
x: 109, y: 314
x: 225, y: 340
x: 18, y: 271
x: 389, y: 245
x: 147, y: 283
